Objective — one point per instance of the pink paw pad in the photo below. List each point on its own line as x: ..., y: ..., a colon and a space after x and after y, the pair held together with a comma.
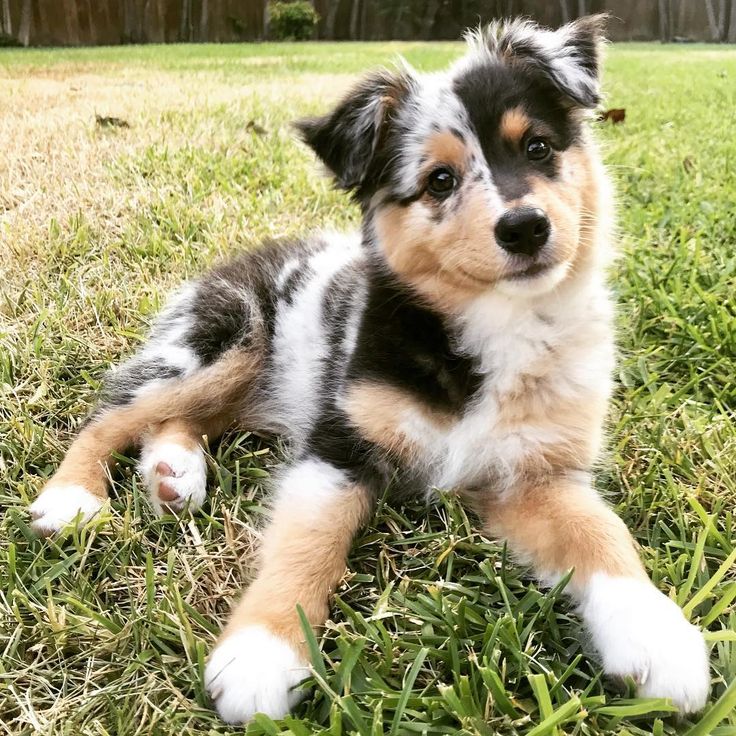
x: 175, y: 476
x: 164, y: 469
x: 166, y: 492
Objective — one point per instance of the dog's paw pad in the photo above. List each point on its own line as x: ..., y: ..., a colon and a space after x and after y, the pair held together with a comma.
x: 176, y: 476
x: 252, y: 671
x: 166, y: 492
x: 164, y: 469
x: 642, y: 634
x: 59, y: 505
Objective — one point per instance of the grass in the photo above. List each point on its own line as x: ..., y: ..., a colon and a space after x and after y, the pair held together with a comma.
x: 434, y: 629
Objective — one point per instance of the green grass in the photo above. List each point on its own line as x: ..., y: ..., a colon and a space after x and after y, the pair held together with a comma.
x: 434, y: 629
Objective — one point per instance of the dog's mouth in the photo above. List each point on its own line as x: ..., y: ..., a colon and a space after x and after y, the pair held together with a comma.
x: 535, y: 269
x: 519, y: 274
x: 474, y: 277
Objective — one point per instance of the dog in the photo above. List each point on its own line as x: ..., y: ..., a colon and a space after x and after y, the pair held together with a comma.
x: 461, y: 340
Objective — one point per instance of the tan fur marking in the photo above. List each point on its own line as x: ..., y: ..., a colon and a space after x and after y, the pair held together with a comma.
x: 590, y: 176
x: 561, y: 526
x: 201, y: 403
x: 448, y: 262
x: 446, y: 148
x: 514, y: 124
x: 303, y: 558
x: 378, y: 410
x: 180, y: 432
x: 576, y: 433
x: 572, y: 203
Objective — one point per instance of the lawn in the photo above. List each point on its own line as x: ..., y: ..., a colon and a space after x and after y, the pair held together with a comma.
x: 434, y: 630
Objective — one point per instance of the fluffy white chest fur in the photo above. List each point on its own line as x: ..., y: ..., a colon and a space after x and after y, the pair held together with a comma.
x: 537, y: 363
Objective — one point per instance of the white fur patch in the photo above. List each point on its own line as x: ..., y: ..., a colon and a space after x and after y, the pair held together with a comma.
x: 189, y: 478
x: 535, y: 286
x: 307, y: 487
x: 252, y: 672
x: 313, y: 479
x: 59, y: 505
x: 300, y: 344
x: 568, y: 331
x: 641, y: 633
x: 166, y: 342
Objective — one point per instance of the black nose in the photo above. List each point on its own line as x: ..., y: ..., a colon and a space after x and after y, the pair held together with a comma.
x: 524, y: 230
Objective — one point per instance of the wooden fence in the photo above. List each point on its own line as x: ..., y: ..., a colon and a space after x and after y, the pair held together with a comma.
x: 94, y: 22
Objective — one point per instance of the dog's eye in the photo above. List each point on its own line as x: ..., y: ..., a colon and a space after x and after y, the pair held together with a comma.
x: 441, y: 182
x: 537, y: 149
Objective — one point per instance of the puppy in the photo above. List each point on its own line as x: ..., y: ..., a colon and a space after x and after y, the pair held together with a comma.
x: 462, y: 340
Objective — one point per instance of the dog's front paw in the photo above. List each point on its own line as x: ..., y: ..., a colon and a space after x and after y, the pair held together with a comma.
x: 60, y: 504
x: 176, y: 476
x: 642, y: 634
x: 252, y: 671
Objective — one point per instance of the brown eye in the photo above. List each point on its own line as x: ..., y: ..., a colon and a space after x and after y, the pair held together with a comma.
x: 441, y: 182
x: 537, y: 149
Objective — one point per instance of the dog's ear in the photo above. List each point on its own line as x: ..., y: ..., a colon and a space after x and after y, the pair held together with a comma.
x: 570, y: 56
x: 347, y: 139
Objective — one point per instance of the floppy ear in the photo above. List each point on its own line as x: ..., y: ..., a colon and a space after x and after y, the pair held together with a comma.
x: 570, y: 56
x: 347, y: 138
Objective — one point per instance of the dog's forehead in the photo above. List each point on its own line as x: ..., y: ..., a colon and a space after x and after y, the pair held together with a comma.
x: 486, y: 91
x: 475, y: 98
x: 435, y: 107
x: 484, y: 104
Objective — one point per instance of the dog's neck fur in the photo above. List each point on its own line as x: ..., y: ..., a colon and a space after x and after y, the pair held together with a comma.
x: 581, y: 298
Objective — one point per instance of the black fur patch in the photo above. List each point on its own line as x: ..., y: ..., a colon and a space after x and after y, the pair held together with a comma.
x: 488, y: 91
x: 357, y: 141
x: 236, y: 302
x: 120, y: 386
x: 221, y: 319
x: 335, y: 441
x: 408, y: 345
x: 347, y: 139
x: 402, y: 343
x: 294, y: 282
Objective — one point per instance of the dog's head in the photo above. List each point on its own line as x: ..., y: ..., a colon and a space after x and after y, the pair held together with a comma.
x: 481, y: 177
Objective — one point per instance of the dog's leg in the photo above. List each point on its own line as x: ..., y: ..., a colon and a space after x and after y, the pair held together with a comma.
x: 191, y: 377
x: 184, y: 408
x: 172, y: 462
x: 638, y: 631
x: 261, y: 654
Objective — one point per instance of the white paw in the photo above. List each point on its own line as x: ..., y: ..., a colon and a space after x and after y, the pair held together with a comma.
x: 176, y: 476
x: 642, y: 634
x: 253, y: 671
x: 59, y: 505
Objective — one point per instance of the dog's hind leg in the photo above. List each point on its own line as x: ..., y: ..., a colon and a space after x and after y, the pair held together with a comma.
x: 172, y: 465
x: 170, y: 422
x: 190, y: 379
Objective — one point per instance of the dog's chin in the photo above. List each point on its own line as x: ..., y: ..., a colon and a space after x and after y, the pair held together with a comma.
x: 534, y: 281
